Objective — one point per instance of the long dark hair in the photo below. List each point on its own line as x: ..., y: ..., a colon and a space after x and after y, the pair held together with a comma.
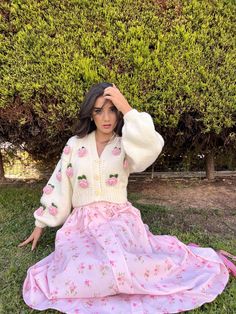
x: 85, y: 126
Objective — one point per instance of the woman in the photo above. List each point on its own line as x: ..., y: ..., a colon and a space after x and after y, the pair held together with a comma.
x: 105, y: 259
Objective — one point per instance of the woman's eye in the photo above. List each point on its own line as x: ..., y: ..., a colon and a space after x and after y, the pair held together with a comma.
x: 97, y: 110
x: 113, y: 109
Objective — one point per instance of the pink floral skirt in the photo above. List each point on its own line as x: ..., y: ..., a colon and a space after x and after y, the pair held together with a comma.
x: 106, y: 261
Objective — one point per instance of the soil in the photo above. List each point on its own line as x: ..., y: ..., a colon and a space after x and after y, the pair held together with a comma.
x: 192, y: 203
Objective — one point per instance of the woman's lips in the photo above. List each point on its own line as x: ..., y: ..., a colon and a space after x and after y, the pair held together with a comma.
x: 106, y: 126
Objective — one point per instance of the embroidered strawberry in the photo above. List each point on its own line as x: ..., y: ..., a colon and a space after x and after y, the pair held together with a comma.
x: 66, y: 149
x: 48, y: 189
x: 69, y: 171
x: 83, y: 182
x: 112, y: 179
x: 125, y: 164
x: 40, y: 211
x: 58, y: 175
x: 82, y: 151
x: 53, y: 209
x: 116, y: 151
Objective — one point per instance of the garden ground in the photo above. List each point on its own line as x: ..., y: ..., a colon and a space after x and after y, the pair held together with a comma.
x: 208, y: 205
x: 194, y: 210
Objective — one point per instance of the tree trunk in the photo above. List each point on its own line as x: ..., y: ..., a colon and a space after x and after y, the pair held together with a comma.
x: 1, y: 168
x: 210, y: 166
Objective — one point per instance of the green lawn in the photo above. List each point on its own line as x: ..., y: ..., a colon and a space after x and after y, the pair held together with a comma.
x: 16, y: 223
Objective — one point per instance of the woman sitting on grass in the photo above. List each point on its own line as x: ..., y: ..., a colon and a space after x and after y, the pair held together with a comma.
x: 106, y: 260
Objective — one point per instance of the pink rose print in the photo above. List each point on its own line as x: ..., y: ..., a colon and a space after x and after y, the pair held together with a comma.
x: 87, y: 282
x: 53, y: 209
x: 112, y: 263
x: 66, y: 149
x: 39, y: 211
x: 112, y: 179
x: 116, y: 151
x: 48, y: 189
x: 82, y: 151
x: 125, y: 164
x: 83, y: 182
x: 58, y: 175
x: 72, y: 287
x: 69, y: 171
x: 81, y: 268
x: 121, y: 278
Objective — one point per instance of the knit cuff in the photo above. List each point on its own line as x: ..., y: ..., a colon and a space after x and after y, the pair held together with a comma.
x: 40, y: 224
x: 130, y: 114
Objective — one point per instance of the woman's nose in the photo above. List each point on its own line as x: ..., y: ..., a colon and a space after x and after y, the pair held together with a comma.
x: 106, y: 115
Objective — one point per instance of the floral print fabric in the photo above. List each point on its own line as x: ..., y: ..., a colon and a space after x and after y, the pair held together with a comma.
x: 107, y: 261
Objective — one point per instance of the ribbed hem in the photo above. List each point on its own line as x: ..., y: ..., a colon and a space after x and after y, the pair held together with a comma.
x: 112, y: 198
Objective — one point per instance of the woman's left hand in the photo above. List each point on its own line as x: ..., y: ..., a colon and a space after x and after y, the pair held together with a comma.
x: 34, y: 238
x: 117, y: 98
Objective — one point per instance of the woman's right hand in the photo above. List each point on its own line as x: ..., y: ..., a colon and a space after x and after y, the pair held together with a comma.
x: 34, y: 237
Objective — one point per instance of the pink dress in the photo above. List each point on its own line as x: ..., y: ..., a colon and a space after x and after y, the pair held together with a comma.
x: 106, y: 261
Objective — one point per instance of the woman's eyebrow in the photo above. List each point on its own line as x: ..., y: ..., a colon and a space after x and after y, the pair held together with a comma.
x: 111, y: 106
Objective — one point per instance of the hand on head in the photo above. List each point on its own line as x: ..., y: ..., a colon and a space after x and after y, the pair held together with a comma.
x: 117, y: 98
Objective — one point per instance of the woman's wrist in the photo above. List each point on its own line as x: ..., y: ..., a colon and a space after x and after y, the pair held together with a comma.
x: 126, y: 109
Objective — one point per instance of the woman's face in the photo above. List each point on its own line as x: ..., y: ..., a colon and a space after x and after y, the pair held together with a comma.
x: 104, y: 114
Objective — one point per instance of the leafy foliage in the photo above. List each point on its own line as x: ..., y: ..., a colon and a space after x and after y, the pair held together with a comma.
x: 172, y: 58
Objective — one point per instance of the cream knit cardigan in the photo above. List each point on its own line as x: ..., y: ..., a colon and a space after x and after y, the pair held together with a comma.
x: 82, y: 177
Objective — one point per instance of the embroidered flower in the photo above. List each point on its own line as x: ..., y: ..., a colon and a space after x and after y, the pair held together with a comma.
x: 53, y: 209
x: 48, y: 189
x: 116, y: 151
x: 125, y: 164
x: 82, y: 151
x: 69, y: 171
x: 58, y: 175
x: 83, y: 182
x: 40, y: 211
x: 112, y: 179
x: 66, y: 149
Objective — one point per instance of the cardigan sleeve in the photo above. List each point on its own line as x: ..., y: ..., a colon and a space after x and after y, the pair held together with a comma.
x: 56, y: 200
x: 142, y: 144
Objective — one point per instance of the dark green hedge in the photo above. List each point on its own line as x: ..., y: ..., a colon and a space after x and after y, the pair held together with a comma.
x: 169, y: 57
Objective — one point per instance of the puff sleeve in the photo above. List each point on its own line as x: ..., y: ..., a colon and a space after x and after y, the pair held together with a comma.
x: 141, y: 143
x: 56, y: 200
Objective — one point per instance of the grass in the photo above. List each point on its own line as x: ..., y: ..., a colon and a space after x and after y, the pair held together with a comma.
x: 16, y: 223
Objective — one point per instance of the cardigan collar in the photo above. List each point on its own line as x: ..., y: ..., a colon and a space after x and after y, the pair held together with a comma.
x: 92, y: 140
